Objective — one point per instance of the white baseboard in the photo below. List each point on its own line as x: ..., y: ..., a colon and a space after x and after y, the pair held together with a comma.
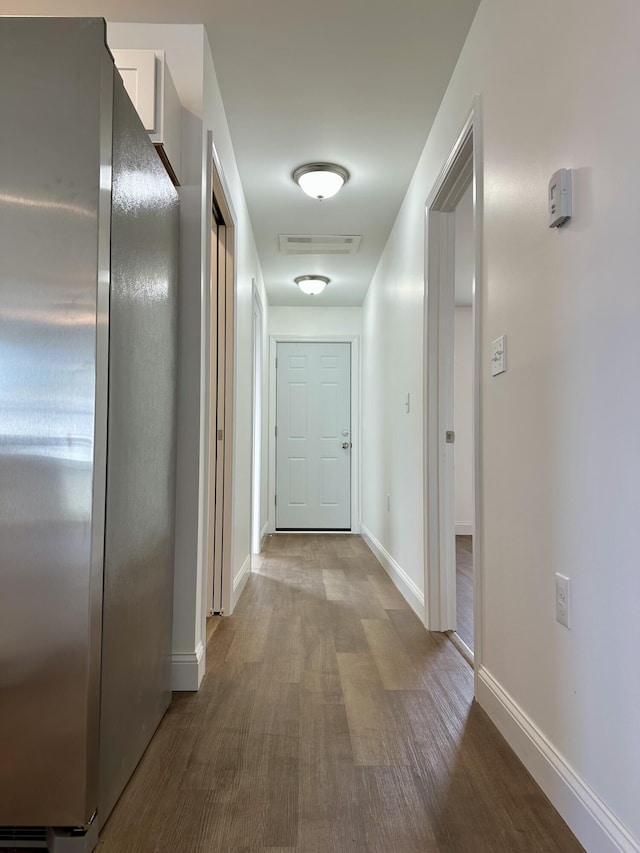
x: 263, y: 535
x: 464, y: 528
x: 239, y: 581
x: 587, y: 815
x: 187, y: 669
x: 409, y: 590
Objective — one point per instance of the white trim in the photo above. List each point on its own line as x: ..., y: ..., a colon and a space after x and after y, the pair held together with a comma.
x: 204, y: 497
x: 439, y: 375
x: 204, y: 490
x: 440, y: 582
x: 263, y: 535
x: 478, y: 506
x: 587, y: 815
x: 257, y: 407
x: 354, y: 340
x: 315, y: 532
x: 461, y: 646
x: 229, y: 493
x: 409, y: 590
x: 240, y: 580
x: 464, y: 528
x: 187, y: 669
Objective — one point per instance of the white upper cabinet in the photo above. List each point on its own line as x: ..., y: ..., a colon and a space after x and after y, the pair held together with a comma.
x: 150, y: 86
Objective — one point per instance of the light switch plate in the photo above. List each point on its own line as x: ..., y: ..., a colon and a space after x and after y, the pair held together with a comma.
x: 499, y: 355
x: 563, y: 601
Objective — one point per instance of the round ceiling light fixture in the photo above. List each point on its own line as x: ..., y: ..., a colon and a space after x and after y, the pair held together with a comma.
x: 320, y: 180
x: 312, y: 284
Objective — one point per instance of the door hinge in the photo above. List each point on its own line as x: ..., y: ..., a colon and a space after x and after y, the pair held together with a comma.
x: 276, y: 432
x: 450, y: 436
x: 275, y: 500
x: 276, y: 363
x: 220, y: 434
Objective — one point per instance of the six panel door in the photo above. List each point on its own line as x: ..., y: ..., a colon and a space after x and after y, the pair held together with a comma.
x: 313, y: 436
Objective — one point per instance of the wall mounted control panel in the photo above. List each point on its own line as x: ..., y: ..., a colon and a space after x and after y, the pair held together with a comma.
x: 559, y: 198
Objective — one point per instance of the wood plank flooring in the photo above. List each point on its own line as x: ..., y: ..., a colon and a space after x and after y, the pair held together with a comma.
x: 464, y: 589
x: 330, y: 720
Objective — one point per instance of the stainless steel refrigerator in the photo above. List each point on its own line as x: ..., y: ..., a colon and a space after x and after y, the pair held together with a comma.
x: 88, y: 295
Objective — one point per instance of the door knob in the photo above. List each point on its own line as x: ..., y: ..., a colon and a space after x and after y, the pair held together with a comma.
x: 346, y: 445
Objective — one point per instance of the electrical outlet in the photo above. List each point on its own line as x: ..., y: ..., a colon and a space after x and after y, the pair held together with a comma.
x: 562, y: 600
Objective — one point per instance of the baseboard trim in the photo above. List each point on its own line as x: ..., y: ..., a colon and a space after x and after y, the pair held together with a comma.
x: 264, y: 535
x: 65, y: 840
x: 464, y: 528
x: 587, y: 815
x: 409, y: 590
x: 187, y: 669
x: 240, y: 581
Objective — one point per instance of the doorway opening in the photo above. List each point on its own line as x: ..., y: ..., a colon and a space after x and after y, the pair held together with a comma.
x: 220, y: 408
x: 452, y: 324
x: 464, y: 264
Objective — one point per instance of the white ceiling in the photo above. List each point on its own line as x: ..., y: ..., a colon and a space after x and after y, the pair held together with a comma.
x: 354, y: 82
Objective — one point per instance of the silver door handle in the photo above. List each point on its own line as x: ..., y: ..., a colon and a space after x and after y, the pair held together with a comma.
x: 346, y: 445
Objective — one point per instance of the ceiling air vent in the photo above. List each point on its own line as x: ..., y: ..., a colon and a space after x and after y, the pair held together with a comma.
x: 319, y: 244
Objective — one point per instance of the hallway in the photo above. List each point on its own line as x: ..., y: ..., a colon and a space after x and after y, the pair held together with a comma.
x: 330, y: 720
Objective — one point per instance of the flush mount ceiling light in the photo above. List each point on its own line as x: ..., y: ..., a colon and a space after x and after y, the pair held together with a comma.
x: 320, y: 180
x: 312, y: 284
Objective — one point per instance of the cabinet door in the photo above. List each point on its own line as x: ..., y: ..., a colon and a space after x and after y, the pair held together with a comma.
x: 150, y: 86
x: 138, y: 71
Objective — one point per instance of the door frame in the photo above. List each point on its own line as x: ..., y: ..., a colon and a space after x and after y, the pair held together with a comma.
x: 257, y: 402
x: 354, y: 340
x: 463, y: 162
x: 218, y: 186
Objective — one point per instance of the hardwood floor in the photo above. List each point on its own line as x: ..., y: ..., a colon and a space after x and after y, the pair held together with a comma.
x: 330, y: 720
x: 213, y: 623
x: 464, y: 589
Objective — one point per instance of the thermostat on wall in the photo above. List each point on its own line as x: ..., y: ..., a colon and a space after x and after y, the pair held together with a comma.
x: 559, y: 198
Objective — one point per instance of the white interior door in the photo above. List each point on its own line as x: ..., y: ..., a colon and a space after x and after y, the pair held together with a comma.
x: 313, y: 436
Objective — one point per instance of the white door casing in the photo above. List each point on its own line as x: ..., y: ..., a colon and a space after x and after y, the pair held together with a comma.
x: 463, y: 164
x: 217, y: 395
x: 313, y: 436
x: 256, y: 461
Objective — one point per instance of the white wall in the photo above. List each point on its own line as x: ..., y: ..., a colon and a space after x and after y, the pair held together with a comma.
x: 314, y: 322
x: 463, y: 418
x: 189, y: 59
x: 560, y: 428
x: 392, y: 438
